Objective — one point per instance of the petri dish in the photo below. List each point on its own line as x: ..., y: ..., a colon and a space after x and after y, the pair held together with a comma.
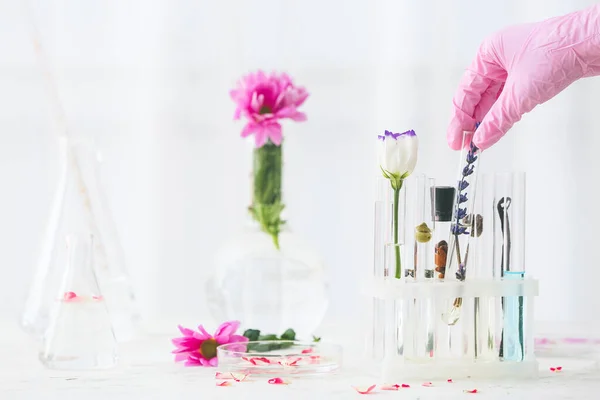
x: 279, y: 358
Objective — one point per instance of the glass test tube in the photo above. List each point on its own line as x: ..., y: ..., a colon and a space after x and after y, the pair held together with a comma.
x: 509, y: 261
x: 460, y: 231
x: 483, y: 337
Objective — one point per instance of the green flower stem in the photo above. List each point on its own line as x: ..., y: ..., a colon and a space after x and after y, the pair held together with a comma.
x: 396, y: 245
x: 266, y: 193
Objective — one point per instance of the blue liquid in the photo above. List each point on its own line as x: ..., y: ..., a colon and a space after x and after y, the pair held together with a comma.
x: 513, y: 322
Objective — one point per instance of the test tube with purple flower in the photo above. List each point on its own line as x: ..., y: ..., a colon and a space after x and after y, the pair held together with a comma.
x: 465, y: 224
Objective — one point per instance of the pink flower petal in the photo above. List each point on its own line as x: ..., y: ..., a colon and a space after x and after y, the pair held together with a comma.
x: 404, y: 385
x: 307, y: 351
x: 250, y: 360
x: 277, y: 381
x: 559, y: 368
x: 428, y: 384
x: 390, y: 387
x: 249, y: 129
x: 97, y: 298
x: 192, y: 363
x: 181, y: 357
x: 239, y: 377
x: 471, y: 391
x: 185, y: 331
x: 224, y: 383
x: 237, y: 338
x: 273, y: 132
x: 202, y: 335
x: 69, y: 296
x: 449, y: 380
x: 293, y: 361
x: 364, y: 390
x: 552, y: 369
x: 213, y: 362
x: 227, y: 329
x: 260, y: 137
x: 223, y: 375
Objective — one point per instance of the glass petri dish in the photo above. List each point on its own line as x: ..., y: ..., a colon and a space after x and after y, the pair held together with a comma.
x: 279, y: 358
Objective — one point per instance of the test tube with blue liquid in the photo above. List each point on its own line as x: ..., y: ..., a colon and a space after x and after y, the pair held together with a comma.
x: 509, y: 260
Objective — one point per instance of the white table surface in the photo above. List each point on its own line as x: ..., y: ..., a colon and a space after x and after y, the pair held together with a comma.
x: 147, y: 371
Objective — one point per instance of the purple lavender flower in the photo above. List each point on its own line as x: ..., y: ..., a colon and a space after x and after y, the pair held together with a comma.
x: 462, y: 198
x: 468, y: 170
x: 463, y: 185
x: 461, y: 213
x: 460, y: 274
x: 459, y: 230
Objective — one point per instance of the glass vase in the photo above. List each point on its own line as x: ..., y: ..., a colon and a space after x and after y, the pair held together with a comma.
x: 267, y: 277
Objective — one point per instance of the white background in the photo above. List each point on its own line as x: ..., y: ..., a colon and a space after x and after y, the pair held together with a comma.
x: 149, y: 80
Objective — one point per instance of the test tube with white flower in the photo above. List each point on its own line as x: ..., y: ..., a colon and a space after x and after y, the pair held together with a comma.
x: 397, y: 155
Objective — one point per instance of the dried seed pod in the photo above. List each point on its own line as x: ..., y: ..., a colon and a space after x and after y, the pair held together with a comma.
x: 441, y: 255
x: 478, y: 228
x: 422, y: 233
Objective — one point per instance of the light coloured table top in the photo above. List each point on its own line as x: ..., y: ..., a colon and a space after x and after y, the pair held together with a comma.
x: 146, y: 371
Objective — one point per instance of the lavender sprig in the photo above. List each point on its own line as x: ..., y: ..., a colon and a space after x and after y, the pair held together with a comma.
x: 461, y: 212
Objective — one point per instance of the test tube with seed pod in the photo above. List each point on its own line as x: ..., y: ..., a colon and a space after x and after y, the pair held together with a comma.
x: 424, y: 220
x: 443, y: 208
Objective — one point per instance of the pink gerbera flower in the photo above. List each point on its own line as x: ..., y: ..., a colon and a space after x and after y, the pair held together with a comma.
x: 264, y: 100
x: 200, y: 348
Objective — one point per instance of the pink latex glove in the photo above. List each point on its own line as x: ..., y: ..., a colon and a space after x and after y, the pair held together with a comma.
x: 520, y: 67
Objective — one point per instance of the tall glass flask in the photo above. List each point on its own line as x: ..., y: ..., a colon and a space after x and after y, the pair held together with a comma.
x: 79, y: 334
x: 79, y: 206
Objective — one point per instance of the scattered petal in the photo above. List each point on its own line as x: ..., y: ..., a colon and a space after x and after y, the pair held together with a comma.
x: 552, y: 369
x: 223, y: 375
x: 390, y: 387
x: 250, y: 360
x: 428, y: 384
x: 449, y: 380
x: 471, y: 391
x: 69, y: 296
x: 97, y: 298
x: 261, y: 360
x: 314, y: 360
x: 404, y: 385
x: 364, y: 390
x: 239, y: 377
x: 277, y: 381
x: 224, y: 383
x: 293, y: 361
x: 307, y: 351
x: 559, y: 368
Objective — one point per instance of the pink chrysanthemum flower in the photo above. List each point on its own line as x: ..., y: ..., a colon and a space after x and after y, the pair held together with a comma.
x: 200, y: 348
x: 264, y: 100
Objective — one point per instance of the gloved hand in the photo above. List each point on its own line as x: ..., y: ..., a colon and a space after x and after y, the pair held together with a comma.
x: 520, y: 67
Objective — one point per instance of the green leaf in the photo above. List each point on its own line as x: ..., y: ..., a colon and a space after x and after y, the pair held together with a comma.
x: 252, y: 334
x: 316, y: 339
x: 268, y: 337
x: 288, y: 335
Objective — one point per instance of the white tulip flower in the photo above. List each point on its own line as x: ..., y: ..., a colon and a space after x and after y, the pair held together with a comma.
x: 398, y: 155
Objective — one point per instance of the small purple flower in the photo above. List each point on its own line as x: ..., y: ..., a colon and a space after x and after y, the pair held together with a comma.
x: 471, y: 157
x: 459, y: 230
x: 460, y: 274
x: 395, y: 136
x: 462, y: 185
x: 462, y: 212
x: 468, y: 170
x: 462, y: 198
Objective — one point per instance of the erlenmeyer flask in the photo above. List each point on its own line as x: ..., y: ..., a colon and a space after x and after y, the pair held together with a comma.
x: 79, y: 206
x: 79, y: 334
